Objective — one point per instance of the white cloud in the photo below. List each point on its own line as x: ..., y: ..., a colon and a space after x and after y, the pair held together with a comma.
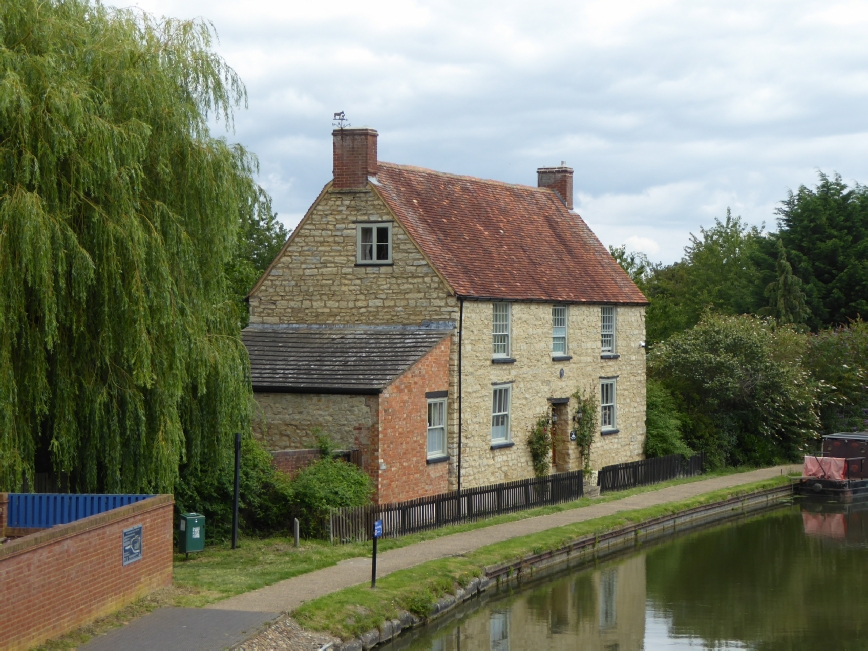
x: 670, y: 111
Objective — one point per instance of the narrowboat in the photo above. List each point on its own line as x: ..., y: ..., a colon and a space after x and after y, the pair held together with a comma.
x: 840, y: 474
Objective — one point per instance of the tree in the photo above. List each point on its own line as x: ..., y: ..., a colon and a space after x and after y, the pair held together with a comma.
x: 662, y: 422
x: 838, y: 359
x: 260, y: 238
x: 745, y: 396
x: 717, y: 270
x: 786, y: 298
x: 119, y: 350
x: 825, y: 233
x: 637, y: 265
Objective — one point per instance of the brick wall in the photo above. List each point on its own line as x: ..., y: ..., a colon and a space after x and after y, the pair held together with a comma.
x: 58, y: 579
x: 403, y: 440
x: 354, y: 157
x: 290, y: 462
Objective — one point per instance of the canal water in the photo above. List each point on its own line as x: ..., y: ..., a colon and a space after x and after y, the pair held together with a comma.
x: 793, y: 578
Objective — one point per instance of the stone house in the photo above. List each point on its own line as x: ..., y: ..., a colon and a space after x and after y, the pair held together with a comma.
x: 433, y: 318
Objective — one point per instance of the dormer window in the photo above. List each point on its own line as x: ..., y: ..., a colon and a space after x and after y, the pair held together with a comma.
x: 374, y: 243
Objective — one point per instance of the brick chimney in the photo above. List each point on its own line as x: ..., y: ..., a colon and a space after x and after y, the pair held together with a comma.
x: 355, y: 157
x: 559, y: 179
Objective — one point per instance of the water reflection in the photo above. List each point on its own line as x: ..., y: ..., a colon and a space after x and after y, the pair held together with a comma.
x: 793, y: 579
x: 845, y: 523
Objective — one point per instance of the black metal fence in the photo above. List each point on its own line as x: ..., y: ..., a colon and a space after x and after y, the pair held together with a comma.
x: 470, y: 504
x: 648, y: 471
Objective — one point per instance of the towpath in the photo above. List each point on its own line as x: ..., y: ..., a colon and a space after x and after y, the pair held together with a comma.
x: 267, y: 603
x: 290, y: 594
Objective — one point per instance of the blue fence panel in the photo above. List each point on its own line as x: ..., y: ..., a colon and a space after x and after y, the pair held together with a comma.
x: 44, y: 510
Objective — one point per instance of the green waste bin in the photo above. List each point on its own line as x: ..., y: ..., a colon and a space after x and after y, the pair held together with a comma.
x: 191, y: 533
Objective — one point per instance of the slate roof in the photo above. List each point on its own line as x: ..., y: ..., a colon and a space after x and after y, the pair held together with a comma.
x: 498, y: 240
x: 335, y: 359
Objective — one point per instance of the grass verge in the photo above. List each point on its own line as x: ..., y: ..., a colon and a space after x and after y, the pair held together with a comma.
x: 220, y: 572
x: 353, y: 611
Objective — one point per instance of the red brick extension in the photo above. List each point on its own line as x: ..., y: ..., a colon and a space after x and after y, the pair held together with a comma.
x: 403, y: 443
x: 53, y: 581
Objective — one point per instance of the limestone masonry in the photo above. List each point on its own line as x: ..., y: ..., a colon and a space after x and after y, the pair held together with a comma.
x: 378, y: 252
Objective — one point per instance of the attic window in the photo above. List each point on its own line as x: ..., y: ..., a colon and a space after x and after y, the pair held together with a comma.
x: 374, y: 243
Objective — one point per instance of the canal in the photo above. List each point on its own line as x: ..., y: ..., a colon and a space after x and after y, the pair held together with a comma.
x: 792, y: 578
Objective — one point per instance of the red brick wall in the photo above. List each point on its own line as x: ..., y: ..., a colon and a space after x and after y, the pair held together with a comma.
x: 53, y: 581
x: 403, y: 437
x: 291, y: 461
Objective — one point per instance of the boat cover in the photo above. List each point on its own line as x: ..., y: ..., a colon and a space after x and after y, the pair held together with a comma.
x: 825, y: 468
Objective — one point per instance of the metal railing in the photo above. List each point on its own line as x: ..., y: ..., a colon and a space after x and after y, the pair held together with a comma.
x: 455, y: 507
x: 44, y: 510
x: 648, y: 471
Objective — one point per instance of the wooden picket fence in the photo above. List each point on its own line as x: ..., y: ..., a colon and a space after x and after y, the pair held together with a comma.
x: 455, y: 507
x: 648, y: 471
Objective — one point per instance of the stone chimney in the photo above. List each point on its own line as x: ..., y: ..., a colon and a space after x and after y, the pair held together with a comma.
x: 559, y: 179
x: 355, y: 157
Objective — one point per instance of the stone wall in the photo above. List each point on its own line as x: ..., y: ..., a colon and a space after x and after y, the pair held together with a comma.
x: 317, y: 279
x: 287, y: 421
x: 535, y: 378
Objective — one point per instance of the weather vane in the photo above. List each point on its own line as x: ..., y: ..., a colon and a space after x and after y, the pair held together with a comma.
x: 340, y: 120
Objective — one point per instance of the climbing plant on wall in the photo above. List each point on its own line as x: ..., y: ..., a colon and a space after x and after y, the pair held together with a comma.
x: 585, y: 423
x: 540, y: 444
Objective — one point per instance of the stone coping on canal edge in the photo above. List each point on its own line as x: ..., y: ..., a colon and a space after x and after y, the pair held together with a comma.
x: 580, y: 551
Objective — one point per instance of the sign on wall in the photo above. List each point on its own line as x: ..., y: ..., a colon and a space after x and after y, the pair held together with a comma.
x: 133, y: 544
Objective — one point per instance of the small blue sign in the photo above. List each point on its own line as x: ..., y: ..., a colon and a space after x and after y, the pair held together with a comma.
x: 133, y: 544
x: 378, y: 528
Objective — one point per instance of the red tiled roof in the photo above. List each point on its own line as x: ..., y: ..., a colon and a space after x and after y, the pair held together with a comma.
x: 496, y: 240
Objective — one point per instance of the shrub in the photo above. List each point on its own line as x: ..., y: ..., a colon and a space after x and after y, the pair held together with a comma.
x: 264, y: 500
x: 662, y: 423
x: 742, y: 389
x: 838, y: 360
x: 328, y: 483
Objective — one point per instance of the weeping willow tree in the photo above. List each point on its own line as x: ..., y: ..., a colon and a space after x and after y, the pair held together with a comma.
x: 119, y: 350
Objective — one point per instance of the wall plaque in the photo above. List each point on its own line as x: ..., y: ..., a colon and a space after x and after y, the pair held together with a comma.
x: 133, y: 544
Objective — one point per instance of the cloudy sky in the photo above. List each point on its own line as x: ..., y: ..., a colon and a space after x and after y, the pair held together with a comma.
x: 669, y: 111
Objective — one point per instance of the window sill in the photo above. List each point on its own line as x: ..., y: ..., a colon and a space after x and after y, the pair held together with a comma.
x: 610, y: 356
x: 374, y: 264
x: 503, y: 360
x: 607, y: 432
x: 436, y: 460
x: 504, y: 444
x: 561, y: 358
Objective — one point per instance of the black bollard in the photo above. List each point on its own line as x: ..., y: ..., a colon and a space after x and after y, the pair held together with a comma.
x: 295, y: 529
x: 237, y: 488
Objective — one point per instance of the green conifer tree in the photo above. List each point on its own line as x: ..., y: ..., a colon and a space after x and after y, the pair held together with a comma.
x: 786, y: 298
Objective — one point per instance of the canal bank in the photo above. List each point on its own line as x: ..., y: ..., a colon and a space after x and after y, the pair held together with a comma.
x: 407, y: 598
x: 416, y: 575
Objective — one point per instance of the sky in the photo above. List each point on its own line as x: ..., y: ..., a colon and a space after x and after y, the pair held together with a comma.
x: 669, y: 111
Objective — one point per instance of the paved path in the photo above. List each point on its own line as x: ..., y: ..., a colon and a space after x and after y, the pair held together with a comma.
x: 291, y: 593
x: 182, y: 629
